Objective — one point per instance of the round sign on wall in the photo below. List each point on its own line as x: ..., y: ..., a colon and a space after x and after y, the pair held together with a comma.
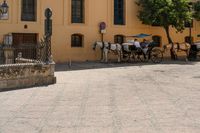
x: 102, y: 27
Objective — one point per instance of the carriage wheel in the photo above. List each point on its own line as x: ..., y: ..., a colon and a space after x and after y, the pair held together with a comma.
x: 156, y: 56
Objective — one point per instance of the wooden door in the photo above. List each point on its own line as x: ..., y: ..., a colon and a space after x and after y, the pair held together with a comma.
x: 24, y: 38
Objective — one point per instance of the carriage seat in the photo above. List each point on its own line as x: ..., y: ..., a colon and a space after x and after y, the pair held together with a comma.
x: 128, y: 47
x: 130, y: 41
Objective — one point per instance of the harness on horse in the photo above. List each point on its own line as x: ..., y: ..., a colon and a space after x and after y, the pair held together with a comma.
x: 178, y: 47
x: 112, y: 50
x: 103, y: 45
x: 109, y: 46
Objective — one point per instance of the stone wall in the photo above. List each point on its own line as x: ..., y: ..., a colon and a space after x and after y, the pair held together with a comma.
x: 25, y: 75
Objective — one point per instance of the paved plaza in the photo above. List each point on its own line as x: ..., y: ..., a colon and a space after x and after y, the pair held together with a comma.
x: 108, y: 98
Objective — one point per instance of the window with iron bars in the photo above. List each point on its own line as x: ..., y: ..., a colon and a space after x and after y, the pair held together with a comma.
x: 29, y: 10
x: 77, y: 40
x: 77, y: 11
x: 119, y: 39
x: 119, y: 12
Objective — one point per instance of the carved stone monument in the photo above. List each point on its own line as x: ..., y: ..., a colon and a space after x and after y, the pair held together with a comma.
x: 8, y: 55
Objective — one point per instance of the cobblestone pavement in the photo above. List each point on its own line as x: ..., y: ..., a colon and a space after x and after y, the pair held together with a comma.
x: 137, y: 98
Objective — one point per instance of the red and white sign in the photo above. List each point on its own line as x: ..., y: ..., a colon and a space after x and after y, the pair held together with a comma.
x: 102, y: 27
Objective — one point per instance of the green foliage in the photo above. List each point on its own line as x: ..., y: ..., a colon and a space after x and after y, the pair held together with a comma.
x: 165, y: 13
x: 196, y: 7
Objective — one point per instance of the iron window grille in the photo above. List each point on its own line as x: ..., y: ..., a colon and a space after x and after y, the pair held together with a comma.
x: 119, y: 39
x: 29, y: 10
x: 77, y: 40
x: 77, y: 11
x: 119, y: 12
x: 157, y: 40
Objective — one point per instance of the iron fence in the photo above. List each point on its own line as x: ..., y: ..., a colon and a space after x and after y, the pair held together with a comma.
x: 28, y: 51
x: 1, y: 55
x: 24, y: 52
x: 34, y: 52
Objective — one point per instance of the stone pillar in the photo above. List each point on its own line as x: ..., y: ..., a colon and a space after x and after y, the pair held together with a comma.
x: 51, y: 72
x: 52, y: 68
x: 8, y: 55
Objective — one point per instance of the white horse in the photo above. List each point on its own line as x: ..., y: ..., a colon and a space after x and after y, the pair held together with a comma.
x: 107, y: 47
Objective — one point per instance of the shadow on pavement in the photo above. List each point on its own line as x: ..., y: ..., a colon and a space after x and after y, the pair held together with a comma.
x: 75, y: 66
x: 27, y: 88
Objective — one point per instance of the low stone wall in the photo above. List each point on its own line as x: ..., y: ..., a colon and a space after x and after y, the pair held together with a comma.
x: 26, y: 75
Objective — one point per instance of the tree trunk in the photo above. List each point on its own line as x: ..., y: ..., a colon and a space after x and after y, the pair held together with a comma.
x: 173, y: 56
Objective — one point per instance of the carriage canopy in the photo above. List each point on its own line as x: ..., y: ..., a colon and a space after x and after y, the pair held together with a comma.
x: 142, y: 35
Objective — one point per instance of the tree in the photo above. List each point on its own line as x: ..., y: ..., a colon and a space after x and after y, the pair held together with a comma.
x: 196, y: 7
x: 165, y: 13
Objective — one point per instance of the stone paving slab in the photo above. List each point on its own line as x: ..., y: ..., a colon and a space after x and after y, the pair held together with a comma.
x: 108, y: 98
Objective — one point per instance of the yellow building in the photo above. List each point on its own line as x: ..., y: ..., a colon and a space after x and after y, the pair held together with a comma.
x: 76, y: 25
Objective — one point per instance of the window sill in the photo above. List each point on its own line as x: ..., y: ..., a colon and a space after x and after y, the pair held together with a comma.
x: 78, y: 24
x: 27, y: 21
x: 119, y: 26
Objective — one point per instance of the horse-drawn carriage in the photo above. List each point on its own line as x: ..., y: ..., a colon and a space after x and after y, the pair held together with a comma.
x: 150, y: 51
x: 129, y: 52
x: 144, y: 52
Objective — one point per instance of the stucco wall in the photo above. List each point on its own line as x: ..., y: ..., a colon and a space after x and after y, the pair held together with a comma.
x: 96, y: 11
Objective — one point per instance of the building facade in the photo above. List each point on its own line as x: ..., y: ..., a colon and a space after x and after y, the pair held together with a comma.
x: 76, y: 25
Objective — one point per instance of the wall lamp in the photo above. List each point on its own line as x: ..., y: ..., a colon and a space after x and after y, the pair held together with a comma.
x: 4, y: 8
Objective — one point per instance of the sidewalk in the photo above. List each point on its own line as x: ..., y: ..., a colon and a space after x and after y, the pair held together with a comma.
x: 120, y: 98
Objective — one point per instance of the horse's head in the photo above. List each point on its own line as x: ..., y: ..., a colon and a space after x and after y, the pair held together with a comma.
x: 94, y: 46
x: 98, y: 44
x: 166, y: 47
